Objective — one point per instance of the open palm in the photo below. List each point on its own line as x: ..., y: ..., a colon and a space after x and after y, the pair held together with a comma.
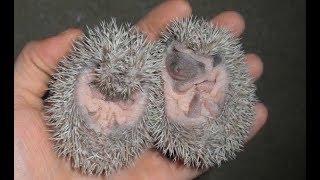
x: 33, y: 155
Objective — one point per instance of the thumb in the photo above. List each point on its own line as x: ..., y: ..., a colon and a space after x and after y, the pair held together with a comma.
x: 36, y: 63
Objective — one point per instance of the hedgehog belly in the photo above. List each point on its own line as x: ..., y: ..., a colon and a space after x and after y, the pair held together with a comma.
x: 198, y: 102
x: 100, y: 99
x: 103, y: 115
x: 208, y: 94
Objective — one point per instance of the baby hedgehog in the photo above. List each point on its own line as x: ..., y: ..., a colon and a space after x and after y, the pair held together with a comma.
x: 208, y: 95
x: 101, y: 97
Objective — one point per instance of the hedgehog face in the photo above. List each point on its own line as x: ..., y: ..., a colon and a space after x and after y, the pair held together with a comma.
x: 208, y: 94
x: 195, y: 84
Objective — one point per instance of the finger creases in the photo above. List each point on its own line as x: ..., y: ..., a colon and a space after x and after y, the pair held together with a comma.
x: 46, y: 53
x: 37, y: 61
x: 160, y: 16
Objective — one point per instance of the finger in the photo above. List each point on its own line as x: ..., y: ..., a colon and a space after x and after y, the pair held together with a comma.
x: 236, y: 24
x: 255, y: 65
x: 46, y: 53
x: 37, y: 61
x: 160, y: 16
x: 261, y: 118
x: 230, y: 20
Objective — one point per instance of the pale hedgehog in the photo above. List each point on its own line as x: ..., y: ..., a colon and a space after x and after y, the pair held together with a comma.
x: 208, y: 94
x: 101, y: 97
x: 190, y: 93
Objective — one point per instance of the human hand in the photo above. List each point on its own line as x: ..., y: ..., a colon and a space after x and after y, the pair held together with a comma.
x: 34, y: 157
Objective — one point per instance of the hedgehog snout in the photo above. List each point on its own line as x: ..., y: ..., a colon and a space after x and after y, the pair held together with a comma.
x: 198, y: 82
x: 187, y: 69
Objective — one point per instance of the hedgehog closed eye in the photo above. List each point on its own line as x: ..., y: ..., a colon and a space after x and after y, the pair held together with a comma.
x: 203, y: 67
x: 190, y: 72
x: 111, y: 101
x: 216, y: 60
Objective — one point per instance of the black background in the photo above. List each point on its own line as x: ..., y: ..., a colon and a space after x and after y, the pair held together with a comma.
x: 275, y: 30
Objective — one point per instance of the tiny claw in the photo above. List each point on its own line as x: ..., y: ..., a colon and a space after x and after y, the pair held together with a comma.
x: 211, y: 107
x: 195, y: 106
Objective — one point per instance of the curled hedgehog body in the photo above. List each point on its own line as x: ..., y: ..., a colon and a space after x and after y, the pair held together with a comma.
x: 208, y: 94
x: 115, y: 95
x: 101, y: 98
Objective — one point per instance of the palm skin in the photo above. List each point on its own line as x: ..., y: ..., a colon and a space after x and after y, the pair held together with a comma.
x: 33, y: 155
